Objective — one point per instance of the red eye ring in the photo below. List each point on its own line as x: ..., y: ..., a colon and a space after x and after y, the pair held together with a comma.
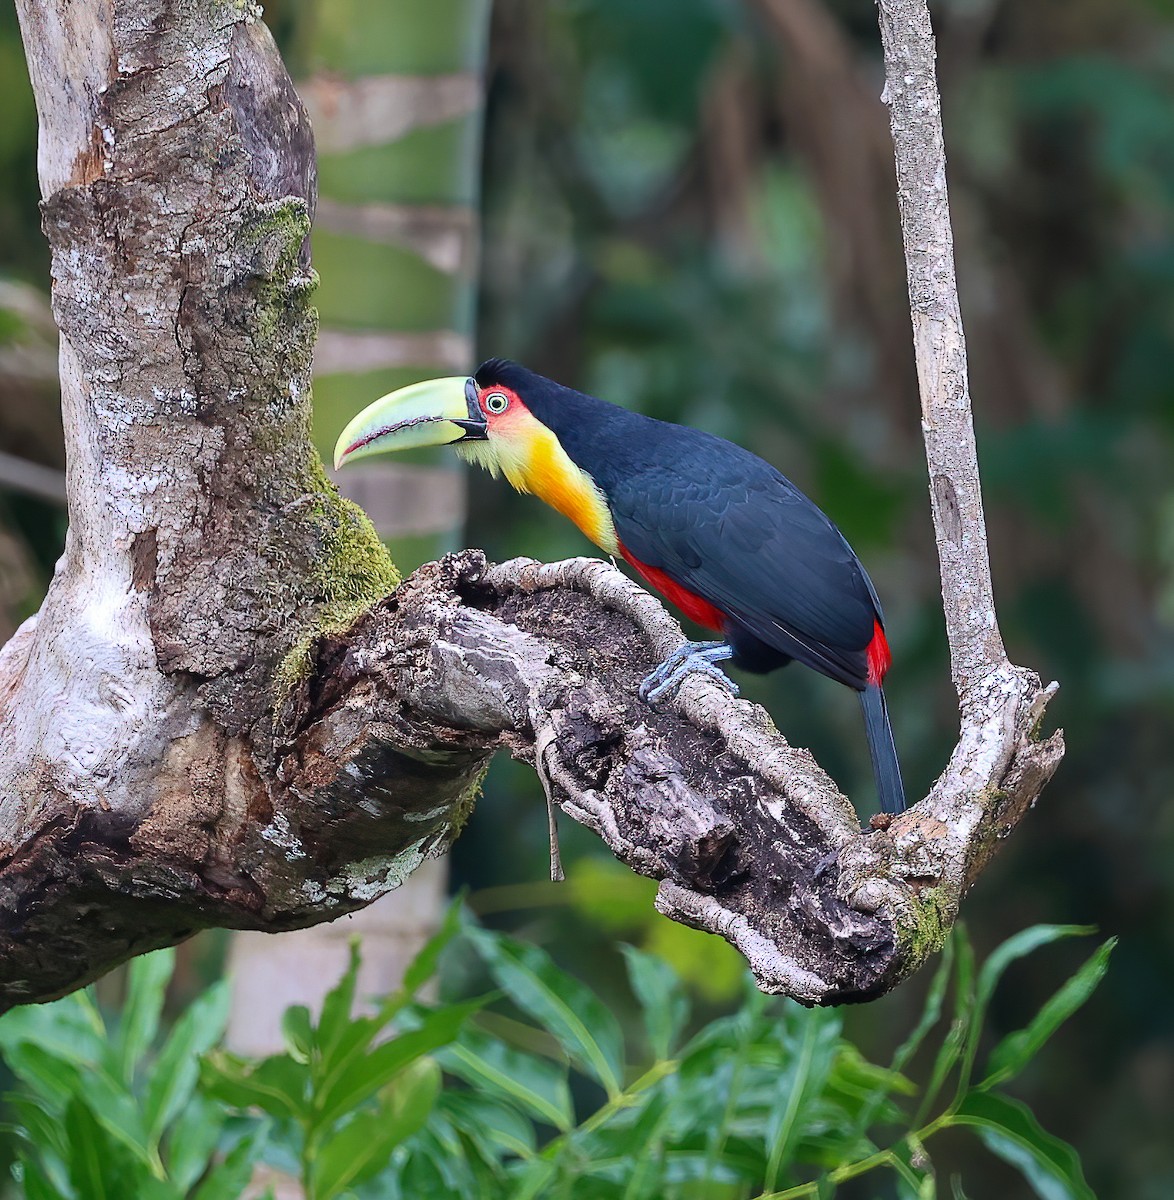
x: 496, y: 402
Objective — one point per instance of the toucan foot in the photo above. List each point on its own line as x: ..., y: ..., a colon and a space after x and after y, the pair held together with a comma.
x: 671, y: 664
x: 692, y: 657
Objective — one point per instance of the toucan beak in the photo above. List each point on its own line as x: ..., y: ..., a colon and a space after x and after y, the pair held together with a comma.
x: 435, y: 413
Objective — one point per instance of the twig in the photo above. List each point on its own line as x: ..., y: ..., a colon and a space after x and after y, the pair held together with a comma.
x: 543, y: 741
x: 915, y: 117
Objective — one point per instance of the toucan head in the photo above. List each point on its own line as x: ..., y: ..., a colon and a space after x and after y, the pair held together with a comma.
x: 505, y: 418
x: 484, y: 416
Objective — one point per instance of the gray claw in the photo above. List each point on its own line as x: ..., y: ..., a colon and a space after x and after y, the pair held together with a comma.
x: 688, y: 659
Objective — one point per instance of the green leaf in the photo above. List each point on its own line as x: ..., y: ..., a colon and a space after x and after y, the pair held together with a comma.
x: 155, y: 1189
x: 424, y: 965
x: 583, y: 1025
x: 647, y: 1132
x: 297, y: 1032
x: 932, y: 1011
x: 35, y: 1184
x: 1017, y: 1049
x: 806, y: 1069
x: 864, y: 1090
x: 952, y: 1044
x: 366, y: 1075
x: 341, y: 1039
x: 70, y: 1029
x: 1013, y: 949
x: 351, y: 1041
x: 54, y: 1079
x: 647, y: 1181
x: 1009, y: 1129
x: 1019, y: 946
x: 533, y: 1180
x: 192, y: 1140
x: 663, y: 1003
x: 117, y: 1111
x: 277, y: 1085
x: 147, y: 981
x: 414, y: 1091
x: 853, y: 1072
x: 495, y: 1126
x: 228, y: 1180
x: 176, y: 1070
x: 89, y: 1158
x: 36, y: 1124
x: 363, y: 1146
x: 957, y: 1191
x: 336, y: 1007
x: 537, y: 1086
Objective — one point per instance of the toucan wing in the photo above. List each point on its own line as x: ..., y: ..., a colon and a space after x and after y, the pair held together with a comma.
x: 726, y: 525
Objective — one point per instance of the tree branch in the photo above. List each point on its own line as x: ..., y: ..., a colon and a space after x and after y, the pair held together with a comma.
x: 998, y: 766
x: 221, y: 717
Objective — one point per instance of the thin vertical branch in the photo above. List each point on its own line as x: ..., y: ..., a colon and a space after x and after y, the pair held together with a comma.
x: 911, y: 92
x: 999, y: 766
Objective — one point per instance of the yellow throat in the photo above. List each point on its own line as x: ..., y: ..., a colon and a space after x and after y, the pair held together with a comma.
x: 531, y: 457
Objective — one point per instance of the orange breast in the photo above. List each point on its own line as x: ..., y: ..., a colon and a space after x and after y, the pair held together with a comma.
x: 554, y: 478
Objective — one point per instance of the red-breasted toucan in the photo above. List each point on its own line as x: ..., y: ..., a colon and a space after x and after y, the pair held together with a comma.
x: 718, y: 531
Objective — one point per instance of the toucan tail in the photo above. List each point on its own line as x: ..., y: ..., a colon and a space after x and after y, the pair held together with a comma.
x: 885, y: 766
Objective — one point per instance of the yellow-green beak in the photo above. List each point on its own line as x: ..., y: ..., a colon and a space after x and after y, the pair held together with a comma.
x: 437, y: 412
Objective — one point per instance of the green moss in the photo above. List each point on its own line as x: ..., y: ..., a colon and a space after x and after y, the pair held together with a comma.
x: 350, y: 569
x: 274, y: 234
x: 936, y: 908
x: 465, y: 805
x: 286, y: 220
x: 352, y: 572
x: 926, y: 934
x: 248, y: 9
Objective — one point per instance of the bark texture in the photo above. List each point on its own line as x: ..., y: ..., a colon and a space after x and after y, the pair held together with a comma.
x: 224, y: 714
x: 177, y: 172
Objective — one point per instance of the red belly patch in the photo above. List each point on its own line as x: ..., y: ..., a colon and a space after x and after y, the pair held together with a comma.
x: 692, y: 606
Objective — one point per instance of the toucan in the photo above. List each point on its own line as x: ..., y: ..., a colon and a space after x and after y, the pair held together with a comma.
x: 725, y: 537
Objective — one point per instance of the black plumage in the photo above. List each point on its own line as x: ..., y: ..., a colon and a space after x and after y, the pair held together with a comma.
x: 729, y: 528
x: 722, y: 522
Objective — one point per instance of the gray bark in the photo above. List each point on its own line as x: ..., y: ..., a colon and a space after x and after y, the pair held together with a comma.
x: 221, y: 717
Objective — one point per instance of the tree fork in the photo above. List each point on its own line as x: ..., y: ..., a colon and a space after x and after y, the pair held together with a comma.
x: 221, y: 717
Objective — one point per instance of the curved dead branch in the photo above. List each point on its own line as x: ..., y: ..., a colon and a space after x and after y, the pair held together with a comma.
x: 748, y: 836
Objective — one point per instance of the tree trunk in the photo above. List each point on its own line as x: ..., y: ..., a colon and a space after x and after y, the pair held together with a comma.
x: 397, y: 112
x: 222, y: 716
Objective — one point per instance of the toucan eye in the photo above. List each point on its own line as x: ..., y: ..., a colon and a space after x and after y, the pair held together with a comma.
x: 497, y: 402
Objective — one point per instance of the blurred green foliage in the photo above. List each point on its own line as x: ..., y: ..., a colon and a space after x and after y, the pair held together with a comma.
x: 22, y: 251
x: 536, y: 1089
x: 110, y: 1107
